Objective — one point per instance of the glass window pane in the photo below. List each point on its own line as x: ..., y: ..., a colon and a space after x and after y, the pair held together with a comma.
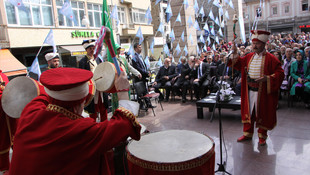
x: 96, y: 7
x: 81, y: 5
x: 81, y: 13
x: 61, y: 19
x: 89, y: 6
x: 91, y: 21
x: 10, y: 12
x: 47, y: 15
x: 142, y: 17
x: 76, y: 17
x: 36, y: 15
x: 25, y: 17
x: 35, y: 1
x: 59, y: 2
x: 49, y: 2
x: 97, y: 19
x: 74, y: 4
x: 69, y: 22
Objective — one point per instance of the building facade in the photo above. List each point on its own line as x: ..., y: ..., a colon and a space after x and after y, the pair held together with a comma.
x: 278, y: 16
x: 24, y: 31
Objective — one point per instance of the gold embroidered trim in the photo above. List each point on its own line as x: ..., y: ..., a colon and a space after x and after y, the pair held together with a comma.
x: 268, y: 85
x: 129, y: 115
x: 247, y: 134
x: 5, y: 151
x: 260, y: 135
x: 181, y: 166
x: 65, y: 112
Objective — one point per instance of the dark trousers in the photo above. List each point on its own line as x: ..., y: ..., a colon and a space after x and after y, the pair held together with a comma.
x: 300, y: 91
x: 201, y: 86
x: 166, y: 85
x: 181, y: 84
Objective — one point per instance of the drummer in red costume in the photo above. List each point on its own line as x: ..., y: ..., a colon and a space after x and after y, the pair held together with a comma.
x: 7, y: 129
x: 262, y: 76
x: 53, y: 138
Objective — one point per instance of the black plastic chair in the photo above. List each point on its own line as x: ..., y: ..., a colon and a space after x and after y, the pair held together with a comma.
x: 145, y: 96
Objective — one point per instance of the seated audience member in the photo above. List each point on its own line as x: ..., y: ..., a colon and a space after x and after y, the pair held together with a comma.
x: 183, y: 81
x: 54, y: 138
x: 201, y: 75
x: 163, y: 78
x: 288, y: 60
x: 209, y: 60
x: 300, y: 71
x: 229, y: 73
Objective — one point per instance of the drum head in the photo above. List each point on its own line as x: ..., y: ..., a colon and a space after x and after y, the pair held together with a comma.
x: 17, y: 94
x: 104, y: 76
x: 170, y: 146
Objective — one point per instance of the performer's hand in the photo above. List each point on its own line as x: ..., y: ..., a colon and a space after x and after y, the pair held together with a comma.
x: 196, y: 80
x: 154, y: 84
x: 166, y: 77
x: 261, y: 79
x: 140, y: 76
x: 300, y: 80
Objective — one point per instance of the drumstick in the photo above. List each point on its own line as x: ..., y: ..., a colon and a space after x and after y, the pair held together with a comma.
x: 108, y: 42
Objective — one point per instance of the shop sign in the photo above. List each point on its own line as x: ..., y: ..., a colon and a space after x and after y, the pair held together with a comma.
x: 84, y: 34
x: 304, y: 26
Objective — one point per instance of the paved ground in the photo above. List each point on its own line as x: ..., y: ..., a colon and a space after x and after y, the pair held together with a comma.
x: 287, y: 150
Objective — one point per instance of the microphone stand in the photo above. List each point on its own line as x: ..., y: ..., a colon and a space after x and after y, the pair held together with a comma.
x: 221, y: 165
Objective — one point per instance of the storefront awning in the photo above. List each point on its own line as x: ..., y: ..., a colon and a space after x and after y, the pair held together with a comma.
x: 74, y: 50
x: 9, y: 65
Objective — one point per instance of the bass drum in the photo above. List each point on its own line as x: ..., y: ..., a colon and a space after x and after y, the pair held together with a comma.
x: 18, y: 93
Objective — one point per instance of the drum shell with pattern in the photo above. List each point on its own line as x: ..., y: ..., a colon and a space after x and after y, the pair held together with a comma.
x: 171, y: 152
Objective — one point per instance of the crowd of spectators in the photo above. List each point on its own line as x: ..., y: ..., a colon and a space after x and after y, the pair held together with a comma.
x: 200, y: 73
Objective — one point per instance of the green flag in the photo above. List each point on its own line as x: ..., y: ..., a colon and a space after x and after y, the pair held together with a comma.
x: 106, y: 21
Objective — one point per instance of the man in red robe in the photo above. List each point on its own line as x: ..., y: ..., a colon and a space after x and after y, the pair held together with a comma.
x: 52, y: 136
x: 262, y: 76
x: 7, y: 129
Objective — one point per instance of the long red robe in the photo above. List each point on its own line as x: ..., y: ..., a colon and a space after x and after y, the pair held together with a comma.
x: 267, y: 99
x: 52, y: 140
x: 7, y: 130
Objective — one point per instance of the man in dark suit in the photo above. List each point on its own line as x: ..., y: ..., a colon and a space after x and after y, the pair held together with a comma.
x: 201, y: 74
x: 229, y: 73
x: 90, y: 63
x: 183, y: 78
x: 138, y: 63
x: 163, y: 78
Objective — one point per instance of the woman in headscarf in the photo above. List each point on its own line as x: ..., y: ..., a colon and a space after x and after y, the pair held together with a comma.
x: 301, y: 75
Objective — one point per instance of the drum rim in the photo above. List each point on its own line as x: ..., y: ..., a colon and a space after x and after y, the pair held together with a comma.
x: 4, y: 94
x: 172, y: 166
x: 113, y: 78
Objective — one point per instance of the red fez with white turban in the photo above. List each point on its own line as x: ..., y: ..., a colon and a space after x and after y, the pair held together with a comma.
x: 260, y: 35
x: 67, y: 86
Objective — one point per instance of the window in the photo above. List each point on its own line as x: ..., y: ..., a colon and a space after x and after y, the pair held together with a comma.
x: 36, y: 13
x: 78, y: 11
x: 138, y: 15
x: 121, y: 15
x: 304, y: 5
x: 274, y: 10
x: 286, y: 9
x: 258, y: 12
x: 94, y: 14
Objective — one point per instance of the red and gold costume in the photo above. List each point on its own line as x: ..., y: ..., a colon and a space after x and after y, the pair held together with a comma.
x: 52, y: 140
x: 267, y: 99
x: 7, y: 130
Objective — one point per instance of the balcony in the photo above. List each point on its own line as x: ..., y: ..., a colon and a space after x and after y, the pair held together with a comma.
x: 4, y: 39
x: 247, y: 1
x: 131, y: 29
